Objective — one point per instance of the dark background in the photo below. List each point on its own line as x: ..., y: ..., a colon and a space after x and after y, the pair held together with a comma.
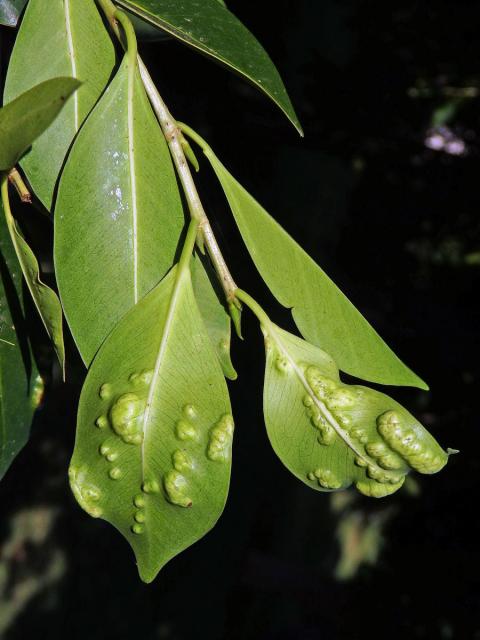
x: 396, y: 225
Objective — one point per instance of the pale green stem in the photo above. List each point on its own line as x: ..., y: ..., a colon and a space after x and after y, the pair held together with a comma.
x: 22, y: 189
x: 254, y: 307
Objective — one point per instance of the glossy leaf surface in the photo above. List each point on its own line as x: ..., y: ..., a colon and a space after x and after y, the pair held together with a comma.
x: 153, y: 447
x: 321, y: 311
x: 24, y: 119
x: 331, y: 434
x: 10, y: 11
x: 118, y: 217
x: 217, y: 320
x: 209, y: 27
x: 45, y: 299
x: 20, y: 385
x: 65, y: 38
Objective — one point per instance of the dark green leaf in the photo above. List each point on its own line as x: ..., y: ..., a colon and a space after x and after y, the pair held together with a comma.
x: 20, y: 385
x: 210, y: 28
x: 45, y: 299
x: 321, y: 311
x: 216, y: 319
x: 10, y: 11
x: 27, y: 117
x: 59, y: 38
x: 153, y: 447
x: 331, y: 434
x: 118, y: 217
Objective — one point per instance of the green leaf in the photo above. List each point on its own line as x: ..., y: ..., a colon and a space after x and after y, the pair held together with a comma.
x: 24, y: 119
x: 321, y: 311
x: 20, y: 385
x: 215, y: 317
x: 153, y: 447
x: 331, y: 434
x: 213, y: 30
x: 45, y: 299
x: 118, y: 217
x: 10, y: 11
x: 66, y: 39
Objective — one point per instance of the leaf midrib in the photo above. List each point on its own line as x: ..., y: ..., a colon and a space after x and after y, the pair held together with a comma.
x: 319, y: 404
x: 73, y: 64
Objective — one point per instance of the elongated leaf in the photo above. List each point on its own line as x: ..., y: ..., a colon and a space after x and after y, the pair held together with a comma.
x: 118, y: 217
x: 27, y: 117
x: 20, y: 385
x: 331, y: 434
x: 10, y: 11
x: 65, y: 38
x: 45, y: 299
x: 216, y: 319
x: 321, y: 311
x: 212, y: 29
x: 153, y: 446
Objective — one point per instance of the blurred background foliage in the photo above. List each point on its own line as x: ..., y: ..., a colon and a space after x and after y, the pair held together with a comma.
x: 383, y: 191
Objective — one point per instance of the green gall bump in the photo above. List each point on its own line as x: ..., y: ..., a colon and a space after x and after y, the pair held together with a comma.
x: 126, y: 416
x: 139, y: 501
x: 189, y: 411
x: 101, y: 422
x: 319, y: 383
x: 138, y: 528
x: 105, y: 391
x: 341, y: 399
x: 311, y: 476
x: 360, y: 462
x: 139, y: 517
x: 112, y: 456
x: 415, y: 445
x: 150, y: 486
x: 282, y: 365
x: 104, y: 449
x: 115, y: 473
x: 376, y: 449
x: 327, y: 435
x: 390, y: 461
x: 175, y: 487
x: 327, y: 479
x: 307, y: 401
x: 219, y: 446
x: 181, y: 460
x: 185, y: 431
x: 86, y: 493
x: 377, y: 490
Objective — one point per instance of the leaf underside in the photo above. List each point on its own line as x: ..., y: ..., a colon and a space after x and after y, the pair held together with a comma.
x: 323, y: 314
x: 209, y: 27
x: 20, y: 385
x: 330, y: 434
x: 118, y: 217
x: 68, y: 39
x: 153, y: 447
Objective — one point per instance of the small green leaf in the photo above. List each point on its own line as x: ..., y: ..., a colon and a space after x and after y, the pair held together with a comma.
x: 153, y: 447
x: 20, y: 385
x: 119, y: 216
x: 24, y: 119
x: 45, y: 299
x: 10, y: 11
x: 65, y: 38
x: 212, y: 29
x: 331, y: 434
x: 321, y: 311
x: 215, y: 317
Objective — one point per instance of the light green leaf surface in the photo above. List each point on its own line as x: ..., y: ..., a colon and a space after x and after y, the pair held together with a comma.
x: 20, y: 385
x: 10, y: 11
x: 59, y: 38
x: 217, y: 320
x: 118, y: 217
x: 153, y: 447
x: 24, y: 119
x: 45, y: 299
x: 331, y: 434
x: 321, y: 311
x: 212, y: 29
